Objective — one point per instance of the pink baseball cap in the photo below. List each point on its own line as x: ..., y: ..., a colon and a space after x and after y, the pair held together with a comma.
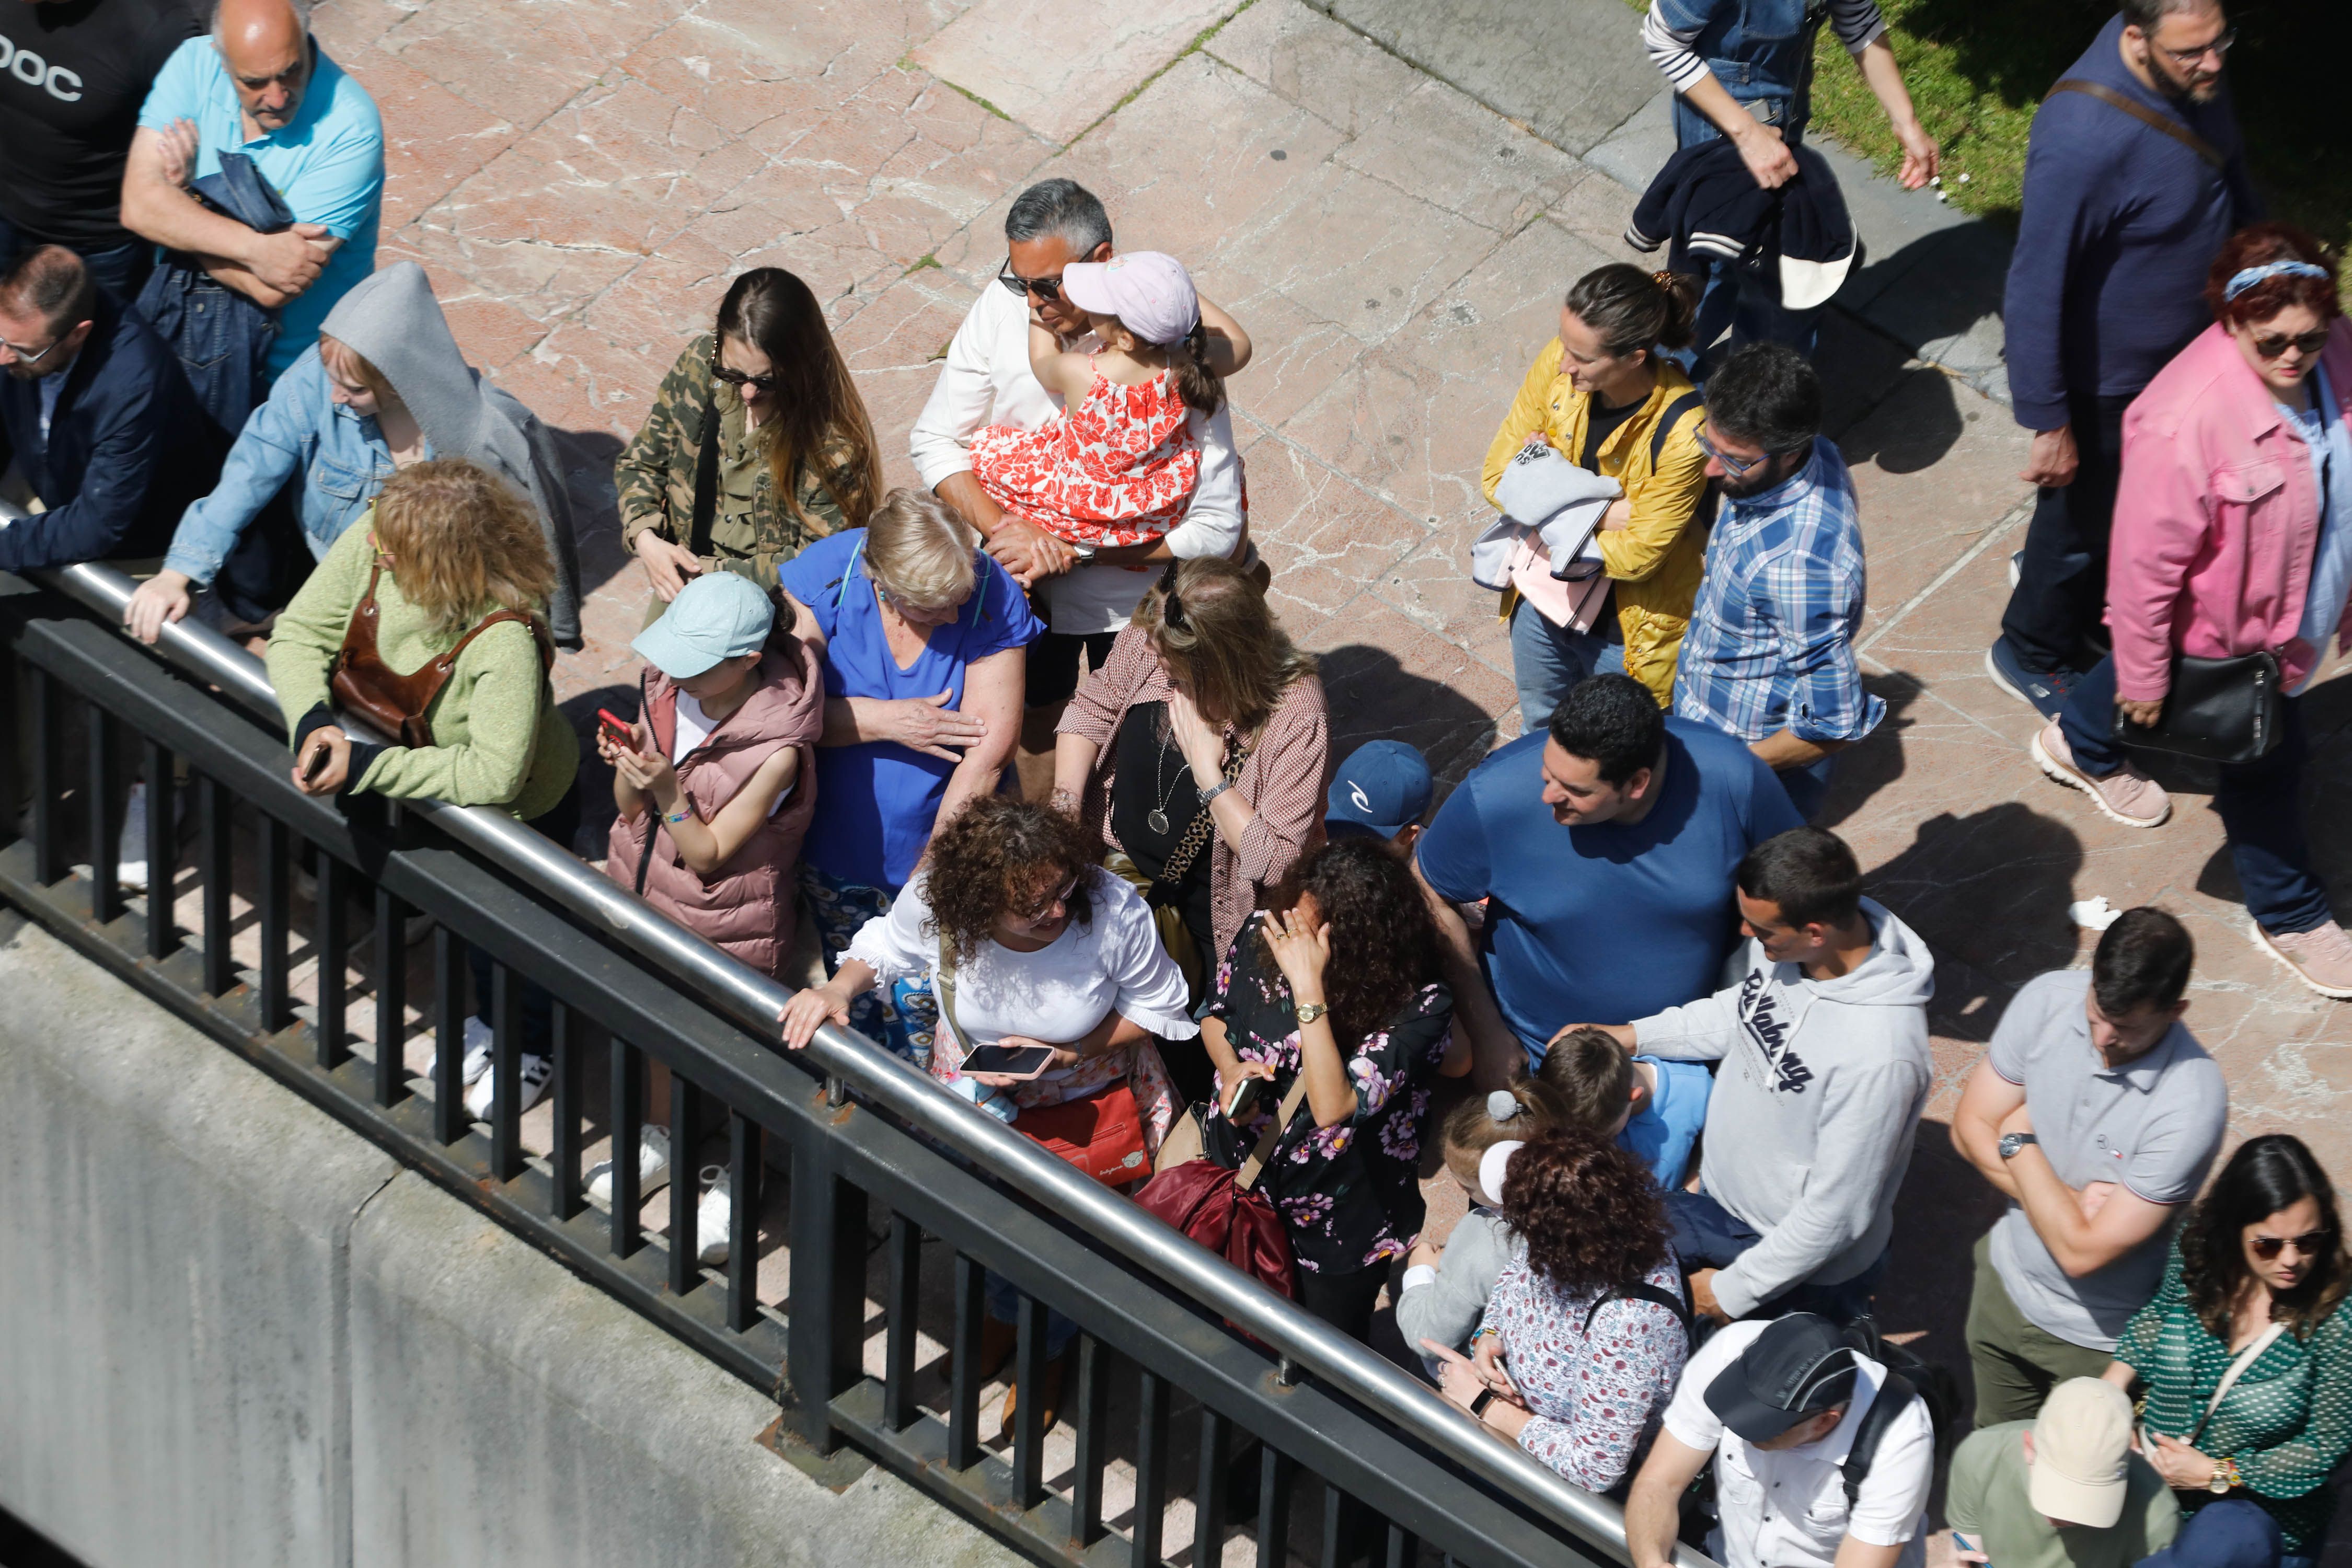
x: 1148, y: 291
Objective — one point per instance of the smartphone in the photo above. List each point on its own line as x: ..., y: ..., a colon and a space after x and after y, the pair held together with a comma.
x: 1240, y: 1093
x: 621, y: 733
x: 1009, y: 1061
x: 317, y: 764
x: 1963, y: 1542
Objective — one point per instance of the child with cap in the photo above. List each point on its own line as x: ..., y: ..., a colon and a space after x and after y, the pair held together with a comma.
x: 1653, y: 1107
x: 1119, y: 466
x: 2062, y: 1491
x: 715, y: 785
x: 1382, y: 790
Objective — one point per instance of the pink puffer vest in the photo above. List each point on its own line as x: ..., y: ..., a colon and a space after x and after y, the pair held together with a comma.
x: 748, y: 906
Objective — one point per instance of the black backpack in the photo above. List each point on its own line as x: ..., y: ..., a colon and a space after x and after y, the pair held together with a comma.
x: 1907, y: 1378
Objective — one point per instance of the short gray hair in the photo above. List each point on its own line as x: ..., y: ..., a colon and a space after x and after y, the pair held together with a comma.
x: 302, y: 9
x: 1062, y: 208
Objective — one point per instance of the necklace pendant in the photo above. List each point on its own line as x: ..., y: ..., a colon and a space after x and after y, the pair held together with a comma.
x: 1156, y: 820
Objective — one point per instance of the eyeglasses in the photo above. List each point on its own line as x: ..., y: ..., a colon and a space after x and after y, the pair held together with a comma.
x: 1061, y: 896
x: 2307, y: 1244
x: 739, y: 381
x: 1048, y: 290
x: 2271, y: 345
x: 28, y: 356
x: 1738, y: 468
x: 2219, y: 47
x: 1172, y: 608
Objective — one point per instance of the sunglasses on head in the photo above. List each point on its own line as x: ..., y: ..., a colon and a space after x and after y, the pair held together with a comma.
x: 1172, y: 608
x: 2270, y: 345
x: 2307, y: 1244
x: 1048, y: 290
x: 738, y: 380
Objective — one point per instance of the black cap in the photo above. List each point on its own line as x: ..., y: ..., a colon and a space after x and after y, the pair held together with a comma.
x: 1798, y: 1367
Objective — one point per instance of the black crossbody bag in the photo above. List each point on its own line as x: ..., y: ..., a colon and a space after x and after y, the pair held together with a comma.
x: 2221, y: 710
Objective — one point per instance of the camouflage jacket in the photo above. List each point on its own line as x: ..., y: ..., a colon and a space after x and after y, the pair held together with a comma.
x: 750, y: 526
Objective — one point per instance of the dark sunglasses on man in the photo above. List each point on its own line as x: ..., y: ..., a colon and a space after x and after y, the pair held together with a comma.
x: 1048, y: 290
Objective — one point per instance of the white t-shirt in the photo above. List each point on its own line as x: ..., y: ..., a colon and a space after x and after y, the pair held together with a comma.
x: 1112, y: 963
x: 694, y: 727
x: 1788, y: 1509
x: 986, y: 380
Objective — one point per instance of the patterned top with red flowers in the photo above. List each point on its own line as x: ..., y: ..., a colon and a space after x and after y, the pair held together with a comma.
x: 1598, y: 1394
x: 1118, y: 470
x: 1349, y: 1195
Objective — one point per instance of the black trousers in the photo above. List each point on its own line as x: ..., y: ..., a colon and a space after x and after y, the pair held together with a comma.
x: 2061, y: 595
x: 1343, y: 1301
x: 1052, y: 673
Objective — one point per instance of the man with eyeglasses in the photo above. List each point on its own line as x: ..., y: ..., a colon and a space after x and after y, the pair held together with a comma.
x: 2135, y: 177
x: 100, y: 426
x: 1085, y: 593
x: 1770, y: 654
x: 2097, y: 1114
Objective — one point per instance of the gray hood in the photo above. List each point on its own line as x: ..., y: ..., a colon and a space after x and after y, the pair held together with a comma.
x: 392, y: 319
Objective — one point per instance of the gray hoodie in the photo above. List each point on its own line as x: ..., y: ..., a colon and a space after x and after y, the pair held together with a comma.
x: 1809, y: 1129
x: 391, y: 320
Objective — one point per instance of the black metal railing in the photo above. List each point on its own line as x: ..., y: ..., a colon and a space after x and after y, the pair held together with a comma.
x: 892, y: 1188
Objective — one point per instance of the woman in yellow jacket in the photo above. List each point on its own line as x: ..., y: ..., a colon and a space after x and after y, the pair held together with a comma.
x: 1605, y: 399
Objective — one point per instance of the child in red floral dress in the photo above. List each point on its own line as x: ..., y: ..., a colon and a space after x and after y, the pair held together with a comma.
x: 1119, y: 466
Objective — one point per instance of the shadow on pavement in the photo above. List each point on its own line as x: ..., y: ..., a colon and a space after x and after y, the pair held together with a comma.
x: 1373, y: 697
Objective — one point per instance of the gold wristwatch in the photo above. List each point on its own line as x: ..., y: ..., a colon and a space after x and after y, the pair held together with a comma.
x: 1311, y: 1011
x: 2225, y: 1478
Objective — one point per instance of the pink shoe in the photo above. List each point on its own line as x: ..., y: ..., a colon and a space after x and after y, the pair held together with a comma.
x: 2128, y: 795
x: 2321, y: 957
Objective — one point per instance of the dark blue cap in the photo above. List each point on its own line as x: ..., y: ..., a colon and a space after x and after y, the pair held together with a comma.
x: 1384, y: 786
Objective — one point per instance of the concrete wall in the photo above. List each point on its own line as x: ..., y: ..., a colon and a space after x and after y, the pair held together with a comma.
x: 233, y: 1332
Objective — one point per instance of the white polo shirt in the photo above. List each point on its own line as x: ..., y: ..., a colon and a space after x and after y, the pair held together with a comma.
x: 1788, y: 1509
x: 986, y: 380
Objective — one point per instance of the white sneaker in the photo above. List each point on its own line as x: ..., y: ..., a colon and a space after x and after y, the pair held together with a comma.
x: 131, y: 849
x: 537, y: 1072
x: 653, y: 1167
x: 478, y: 1050
x: 714, y: 1216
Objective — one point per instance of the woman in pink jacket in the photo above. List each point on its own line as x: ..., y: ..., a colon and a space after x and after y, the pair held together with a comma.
x: 2232, y: 535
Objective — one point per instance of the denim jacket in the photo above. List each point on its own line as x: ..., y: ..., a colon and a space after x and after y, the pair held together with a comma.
x: 341, y: 456
x: 1761, y: 52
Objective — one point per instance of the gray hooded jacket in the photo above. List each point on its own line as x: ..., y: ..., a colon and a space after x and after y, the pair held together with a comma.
x: 1809, y: 1129
x: 392, y: 319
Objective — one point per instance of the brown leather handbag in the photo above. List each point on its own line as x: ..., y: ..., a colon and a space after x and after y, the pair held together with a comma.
x: 363, y: 686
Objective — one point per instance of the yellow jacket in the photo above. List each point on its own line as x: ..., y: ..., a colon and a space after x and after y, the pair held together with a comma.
x: 1655, y: 560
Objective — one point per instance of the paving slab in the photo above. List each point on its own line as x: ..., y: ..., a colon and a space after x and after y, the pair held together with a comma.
x: 1061, y: 65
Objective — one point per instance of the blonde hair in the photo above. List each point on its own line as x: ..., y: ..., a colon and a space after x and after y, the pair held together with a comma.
x: 1472, y: 1127
x: 333, y: 352
x: 920, y: 552
x: 462, y: 542
x: 1223, y: 638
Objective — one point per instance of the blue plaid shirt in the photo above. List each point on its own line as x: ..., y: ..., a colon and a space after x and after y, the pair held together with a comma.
x: 1771, y: 638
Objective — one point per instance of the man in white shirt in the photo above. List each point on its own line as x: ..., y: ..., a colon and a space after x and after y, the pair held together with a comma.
x: 1085, y: 593
x: 1779, y: 1406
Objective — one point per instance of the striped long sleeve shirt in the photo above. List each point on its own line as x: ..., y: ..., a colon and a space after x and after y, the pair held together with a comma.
x: 1671, y: 37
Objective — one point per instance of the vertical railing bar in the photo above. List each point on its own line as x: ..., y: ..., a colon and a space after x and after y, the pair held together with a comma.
x: 1150, y: 1470
x: 449, y: 1013
x: 1335, y: 1524
x: 276, y: 919
x: 331, y: 936
x: 825, y: 1330
x: 1276, y: 1473
x: 1209, y: 1495
x: 1403, y: 1547
x: 391, y: 997
x: 105, y: 883
x: 212, y: 808
x: 48, y: 779
x: 162, y: 849
x: 1093, y: 1405
x: 900, y: 1307
x: 1029, y: 1408
x: 506, y: 1069
x: 684, y: 1186
x: 628, y: 1130
x: 745, y: 1174
x: 964, y: 1381
x: 565, y: 1201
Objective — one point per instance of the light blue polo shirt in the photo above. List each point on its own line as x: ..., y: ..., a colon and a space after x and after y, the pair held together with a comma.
x: 327, y: 165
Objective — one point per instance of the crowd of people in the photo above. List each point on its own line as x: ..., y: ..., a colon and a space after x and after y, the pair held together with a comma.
x: 1030, y: 750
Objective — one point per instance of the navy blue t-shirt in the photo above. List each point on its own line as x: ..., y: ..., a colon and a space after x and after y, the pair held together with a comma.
x: 1607, y: 923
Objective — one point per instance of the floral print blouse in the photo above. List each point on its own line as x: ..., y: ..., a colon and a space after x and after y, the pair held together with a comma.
x: 1598, y: 1395
x: 1350, y: 1196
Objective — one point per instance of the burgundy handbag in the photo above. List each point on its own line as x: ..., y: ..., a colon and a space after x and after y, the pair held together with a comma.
x: 1225, y: 1211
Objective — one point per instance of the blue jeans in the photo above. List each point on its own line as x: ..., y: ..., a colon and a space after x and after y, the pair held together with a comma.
x: 2257, y: 802
x: 1748, y: 302
x: 1808, y: 785
x: 2231, y: 1532
x: 1547, y: 661
x: 1708, y: 1235
x: 1005, y: 1306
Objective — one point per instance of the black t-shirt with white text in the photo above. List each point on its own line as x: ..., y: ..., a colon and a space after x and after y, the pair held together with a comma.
x: 73, y: 74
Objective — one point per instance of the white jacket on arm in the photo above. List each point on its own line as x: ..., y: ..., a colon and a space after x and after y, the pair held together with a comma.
x: 1809, y: 1129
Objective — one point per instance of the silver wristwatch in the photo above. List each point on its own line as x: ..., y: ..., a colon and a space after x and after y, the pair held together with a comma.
x: 2010, y: 1143
x: 1213, y: 791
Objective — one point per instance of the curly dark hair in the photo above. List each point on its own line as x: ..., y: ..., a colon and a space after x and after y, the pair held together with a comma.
x: 1001, y: 854
x: 1383, y: 941
x: 1588, y: 1210
x: 2266, y: 1174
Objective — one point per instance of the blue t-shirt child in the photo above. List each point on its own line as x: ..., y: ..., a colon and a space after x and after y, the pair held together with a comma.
x: 327, y: 165
x: 1662, y: 1132
x: 875, y: 801
x: 1610, y: 921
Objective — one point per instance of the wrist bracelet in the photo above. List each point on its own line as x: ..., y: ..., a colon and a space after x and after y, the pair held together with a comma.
x: 1478, y: 1405
x: 680, y: 815
x: 1220, y: 787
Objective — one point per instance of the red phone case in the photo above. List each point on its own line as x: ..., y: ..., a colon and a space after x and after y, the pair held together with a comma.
x: 626, y: 732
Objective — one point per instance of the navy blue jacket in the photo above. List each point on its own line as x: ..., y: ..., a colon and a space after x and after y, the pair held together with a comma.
x: 124, y: 456
x: 2120, y: 222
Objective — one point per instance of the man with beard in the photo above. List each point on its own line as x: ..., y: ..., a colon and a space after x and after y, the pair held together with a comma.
x: 1770, y: 654
x: 2135, y: 176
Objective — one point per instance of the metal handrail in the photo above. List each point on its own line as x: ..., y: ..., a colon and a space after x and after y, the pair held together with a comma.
x: 755, y: 1000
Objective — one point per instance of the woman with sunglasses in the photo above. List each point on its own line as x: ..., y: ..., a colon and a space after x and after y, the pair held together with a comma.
x: 757, y: 443
x: 2246, y: 1360
x: 1197, y: 750
x: 2232, y: 537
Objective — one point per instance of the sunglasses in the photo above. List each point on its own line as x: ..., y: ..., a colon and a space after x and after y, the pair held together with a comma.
x: 1048, y: 290
x: 739, y: 381
x: 2271, y: 345
x: 1172, y: 608
x: 2307, y: 1244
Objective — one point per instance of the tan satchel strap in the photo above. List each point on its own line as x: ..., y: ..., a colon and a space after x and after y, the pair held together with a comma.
x: 944, y: 981
x: 1255, y: 1166
x: 2143, y: 114
x: 2245, y: 1358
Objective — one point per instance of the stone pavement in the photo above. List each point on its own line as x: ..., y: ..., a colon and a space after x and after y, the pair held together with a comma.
x: 581, y: 177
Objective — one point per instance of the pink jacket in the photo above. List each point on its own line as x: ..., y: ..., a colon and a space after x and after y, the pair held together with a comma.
x: 2216, y: 517
x: 748, y: 906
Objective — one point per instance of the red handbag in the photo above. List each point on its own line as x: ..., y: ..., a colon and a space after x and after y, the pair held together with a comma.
x: 1101, y: 1134
x: 1225, y: 1211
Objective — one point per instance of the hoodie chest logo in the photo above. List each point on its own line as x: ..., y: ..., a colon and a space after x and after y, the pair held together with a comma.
x: 1760, y: 1010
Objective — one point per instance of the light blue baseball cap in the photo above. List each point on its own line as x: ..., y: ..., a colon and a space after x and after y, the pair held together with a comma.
x: 720, y: 614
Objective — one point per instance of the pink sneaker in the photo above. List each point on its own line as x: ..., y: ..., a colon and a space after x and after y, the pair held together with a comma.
x: 2321, y: 958
x: 2128, y: 795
